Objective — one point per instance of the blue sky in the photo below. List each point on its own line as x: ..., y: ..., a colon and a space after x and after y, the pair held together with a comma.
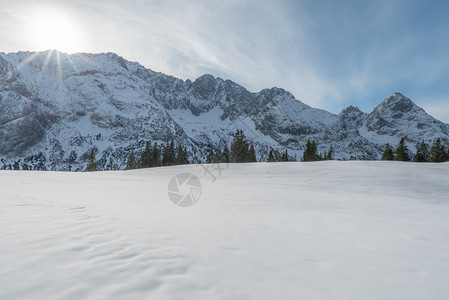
x: 329, y: 54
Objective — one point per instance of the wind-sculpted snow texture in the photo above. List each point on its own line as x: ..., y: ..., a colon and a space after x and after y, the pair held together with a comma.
x: 318, y: 230
x: 54, y: 108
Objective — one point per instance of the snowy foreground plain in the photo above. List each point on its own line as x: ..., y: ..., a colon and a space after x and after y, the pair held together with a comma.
x: 325, y: 230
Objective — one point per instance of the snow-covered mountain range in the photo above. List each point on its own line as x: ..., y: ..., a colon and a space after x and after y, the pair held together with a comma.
x: 54, y: 108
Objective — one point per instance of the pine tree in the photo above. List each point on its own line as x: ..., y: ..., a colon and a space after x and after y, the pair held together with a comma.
x: 156, y: 154
x: 315, y: 150
x: 217, y: 157
x: 401, y: 153
x: 311, y: 152
x: 422, y: 153
x: 277, y: 156
x: 226, y: 154
x: 284, y: 155
x: 252, y: 154
x: 239, y: 148
x: 131, y: 162
x: 437, y: 152
x: 165, y: 154
x: 210, y: 158
x: 330, y: 154
x: 169, y: 155
x: 173, y: 152
x: 388, y: 153
x: 146, y: 159
x: 92, y: 164
x: 181, y: 157
x: 271, y: 156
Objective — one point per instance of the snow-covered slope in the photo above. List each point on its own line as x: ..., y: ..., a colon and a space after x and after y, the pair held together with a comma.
x: 326, y: 230
x: 54, y: 108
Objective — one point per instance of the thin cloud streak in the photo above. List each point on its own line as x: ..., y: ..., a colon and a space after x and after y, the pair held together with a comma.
x: 329, y: 55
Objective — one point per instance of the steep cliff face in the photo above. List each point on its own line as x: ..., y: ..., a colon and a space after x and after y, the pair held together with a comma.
x: 55, y: 107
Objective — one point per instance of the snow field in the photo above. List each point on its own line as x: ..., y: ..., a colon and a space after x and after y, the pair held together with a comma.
x: 259, y: 231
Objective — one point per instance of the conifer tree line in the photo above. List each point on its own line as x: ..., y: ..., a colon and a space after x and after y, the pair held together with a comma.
x: 311, y: 152
x: 220, y: 156
x: 436, y: 153
x: 154, y: 156
x: 242, y: 151
x: 276, y: 156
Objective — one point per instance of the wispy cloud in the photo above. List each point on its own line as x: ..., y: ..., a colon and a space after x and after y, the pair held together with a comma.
x: 328, y: 54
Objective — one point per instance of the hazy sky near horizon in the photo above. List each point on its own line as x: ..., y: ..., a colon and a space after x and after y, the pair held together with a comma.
x: 329, y: 54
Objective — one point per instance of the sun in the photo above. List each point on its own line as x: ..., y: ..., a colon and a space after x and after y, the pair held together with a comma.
x: 55, y: 31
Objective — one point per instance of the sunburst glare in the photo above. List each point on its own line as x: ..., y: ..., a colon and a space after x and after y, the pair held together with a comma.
x: 54, y: 30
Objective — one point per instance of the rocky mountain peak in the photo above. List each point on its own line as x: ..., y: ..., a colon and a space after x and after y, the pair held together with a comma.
x: 118, y: 59
x: 397, y: 103
x: 275, y: 91
x: 206, y: 78
x: 351, y: 110
x: 204, y: 87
